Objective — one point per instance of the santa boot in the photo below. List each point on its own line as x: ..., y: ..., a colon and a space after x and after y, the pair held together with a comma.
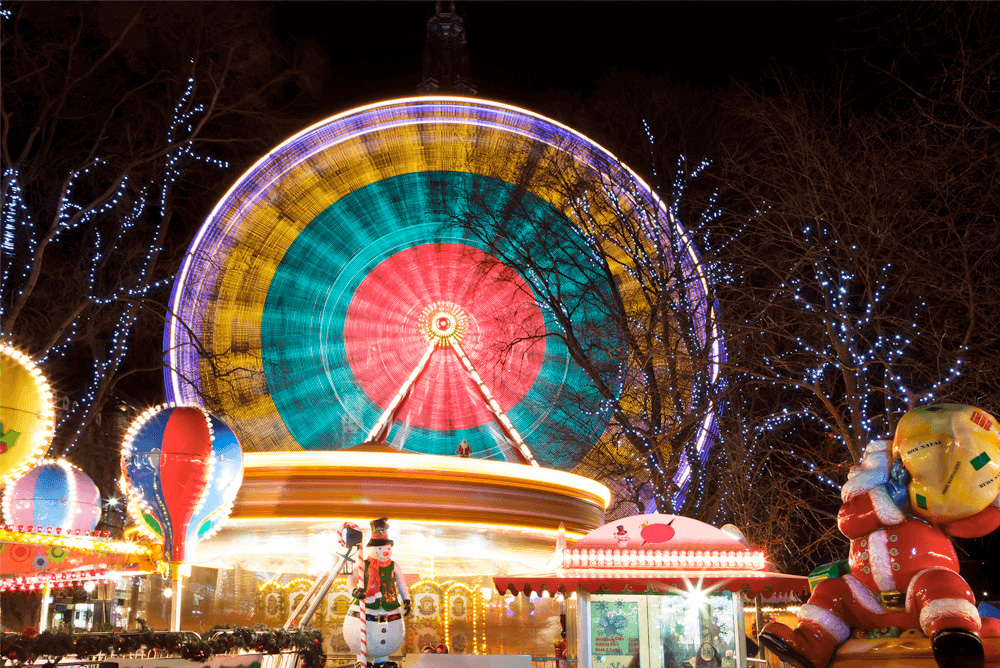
x: 948, y: 616
x: 811, y: 643
x: 954, y: 634
x: 958, y: 648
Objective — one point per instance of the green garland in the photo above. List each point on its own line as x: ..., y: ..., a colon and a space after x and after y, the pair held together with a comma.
x: 21, y: 649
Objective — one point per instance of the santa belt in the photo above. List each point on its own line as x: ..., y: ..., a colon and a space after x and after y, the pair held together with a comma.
x: 893, y: 600
x: 376, y: 618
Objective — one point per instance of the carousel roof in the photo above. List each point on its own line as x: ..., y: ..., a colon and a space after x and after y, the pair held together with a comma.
x: 657, y: 553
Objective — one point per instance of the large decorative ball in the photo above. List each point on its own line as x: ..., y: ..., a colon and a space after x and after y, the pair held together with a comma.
x: 952, y: 452
x: 27, y: 415
x: 53, y: 494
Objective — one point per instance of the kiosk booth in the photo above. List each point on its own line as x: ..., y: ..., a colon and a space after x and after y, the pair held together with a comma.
x: 656, y: 591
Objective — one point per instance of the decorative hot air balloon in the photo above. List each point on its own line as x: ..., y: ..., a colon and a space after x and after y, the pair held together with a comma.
x: 55, y: 494
x: 182, y: 468
x: 27, y: 416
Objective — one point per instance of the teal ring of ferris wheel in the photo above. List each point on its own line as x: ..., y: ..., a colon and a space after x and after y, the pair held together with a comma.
x: 329, y: 401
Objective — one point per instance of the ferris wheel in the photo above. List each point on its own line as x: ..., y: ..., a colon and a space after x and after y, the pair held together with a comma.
x: 330, y: 299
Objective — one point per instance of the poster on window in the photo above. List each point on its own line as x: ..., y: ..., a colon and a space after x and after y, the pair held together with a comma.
x: 614, y: 630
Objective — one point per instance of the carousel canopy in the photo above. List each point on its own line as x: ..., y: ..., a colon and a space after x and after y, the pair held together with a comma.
x: 657, y: 553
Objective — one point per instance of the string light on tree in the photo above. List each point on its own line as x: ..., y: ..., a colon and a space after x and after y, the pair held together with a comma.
x: 111, y: 211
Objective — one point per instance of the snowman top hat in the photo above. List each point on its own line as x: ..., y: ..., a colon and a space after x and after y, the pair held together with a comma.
x: 380, y: 533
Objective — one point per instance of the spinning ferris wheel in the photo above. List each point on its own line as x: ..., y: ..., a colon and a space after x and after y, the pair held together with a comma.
x: 330, y: 299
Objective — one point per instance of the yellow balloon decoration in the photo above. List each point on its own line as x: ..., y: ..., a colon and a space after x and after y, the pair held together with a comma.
x: 27, y: 414
x: 953, y: 453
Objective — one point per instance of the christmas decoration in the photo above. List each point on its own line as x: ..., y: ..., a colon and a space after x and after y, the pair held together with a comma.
x: 27, y: 416
x: 903, y: 568
x: 56, y: 495
x: 24, y: 648
x: 182, y: 467
x: 380, y: 591
x: 952, y: 453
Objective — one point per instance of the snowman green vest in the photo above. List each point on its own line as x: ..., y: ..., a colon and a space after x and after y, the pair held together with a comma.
x: 387, y: 588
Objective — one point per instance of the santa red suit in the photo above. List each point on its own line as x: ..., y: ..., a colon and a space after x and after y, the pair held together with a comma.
x: 903, y: 572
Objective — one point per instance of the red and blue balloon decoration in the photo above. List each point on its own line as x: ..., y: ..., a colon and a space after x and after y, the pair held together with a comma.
x: 55, y: 496
x: 181, y: 467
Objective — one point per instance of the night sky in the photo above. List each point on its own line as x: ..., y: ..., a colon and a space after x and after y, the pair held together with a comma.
x: 525, y: 52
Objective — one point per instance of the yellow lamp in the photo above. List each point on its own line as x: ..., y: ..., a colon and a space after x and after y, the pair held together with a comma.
x: 27, y: 416
x: 952, y: 452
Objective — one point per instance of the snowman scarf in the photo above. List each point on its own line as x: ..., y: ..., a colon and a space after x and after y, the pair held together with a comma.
x: 374, y: 578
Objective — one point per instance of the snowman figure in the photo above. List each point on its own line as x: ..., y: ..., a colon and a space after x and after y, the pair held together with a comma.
x: 374, y: 628
x: 621, y: 536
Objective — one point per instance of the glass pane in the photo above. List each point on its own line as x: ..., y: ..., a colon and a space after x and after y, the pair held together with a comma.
x: 615, y: 631
x: 694, y: 630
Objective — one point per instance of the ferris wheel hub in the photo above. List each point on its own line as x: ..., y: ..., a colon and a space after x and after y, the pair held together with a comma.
x: 442, y: 322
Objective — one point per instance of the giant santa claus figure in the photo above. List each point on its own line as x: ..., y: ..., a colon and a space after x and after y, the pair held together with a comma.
x: 938, y: 478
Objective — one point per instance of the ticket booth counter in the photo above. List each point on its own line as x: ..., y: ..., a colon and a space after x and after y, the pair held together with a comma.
x: 657, y: 591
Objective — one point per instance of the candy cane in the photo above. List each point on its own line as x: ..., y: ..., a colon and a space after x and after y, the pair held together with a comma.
x: 363, y: 632
x: 363, y: 637
x: 340, y: 532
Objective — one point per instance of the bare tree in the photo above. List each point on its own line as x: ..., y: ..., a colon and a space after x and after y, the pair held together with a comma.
x: 112, y: 113
x: 861, y: 296
x: 784, y: 496
x: 632, y: 301
x: 868, y: 273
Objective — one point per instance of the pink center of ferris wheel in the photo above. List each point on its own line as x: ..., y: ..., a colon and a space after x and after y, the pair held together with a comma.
x: 444, y: 293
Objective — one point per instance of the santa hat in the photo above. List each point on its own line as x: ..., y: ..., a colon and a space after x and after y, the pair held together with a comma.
x: 380, y: 533
x: 872, y: 472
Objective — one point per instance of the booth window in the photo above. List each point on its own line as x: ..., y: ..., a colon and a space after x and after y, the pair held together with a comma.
x: 664, y: 630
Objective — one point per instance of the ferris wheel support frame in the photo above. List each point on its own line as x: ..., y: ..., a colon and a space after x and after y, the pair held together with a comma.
x: 380, y: 432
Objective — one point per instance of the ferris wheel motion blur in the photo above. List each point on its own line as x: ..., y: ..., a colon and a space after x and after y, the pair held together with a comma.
x: 331, y: 300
